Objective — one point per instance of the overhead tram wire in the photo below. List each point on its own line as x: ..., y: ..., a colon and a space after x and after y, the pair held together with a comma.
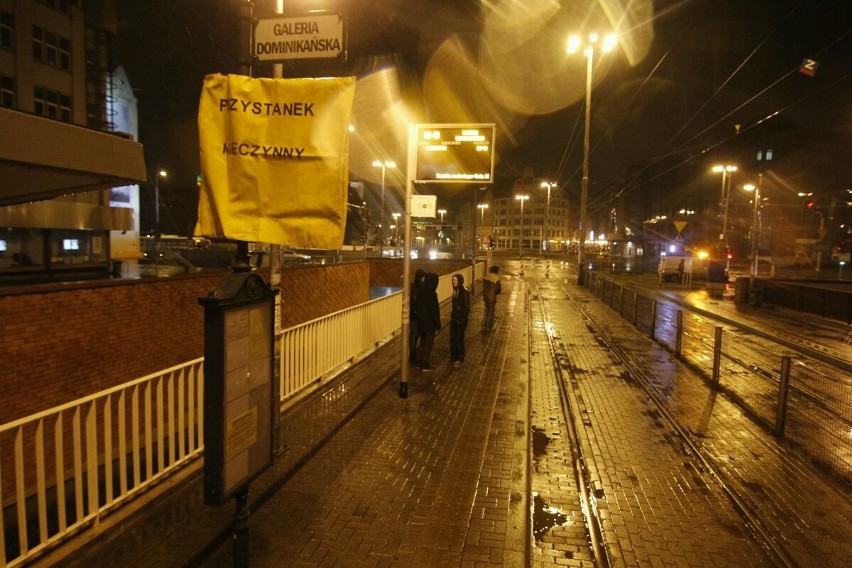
x: 700, y: 151
x: 725, y: 83
x: 682, y: 147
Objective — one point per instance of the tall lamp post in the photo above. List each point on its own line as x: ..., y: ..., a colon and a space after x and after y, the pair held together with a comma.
x: 574, y: 44
x: 544, y: 229
x: 754, y: 223
x: 161, y: 173
x: 726, y: 170
x: 396, y: 228
x: 482, y: 207
x: 384, y: 166
x: 521, y: 198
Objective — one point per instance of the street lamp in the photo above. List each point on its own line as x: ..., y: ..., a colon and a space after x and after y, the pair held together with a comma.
x: 574, y: 44
x: 161, y: 173
x: 754, y: 224
x: 545, y: 228
x: 482, y: 207
x: 441, y: 213
x: 521, y: 198
x: 726, y: 171
x: 396, y: 227
x: 383, y: 165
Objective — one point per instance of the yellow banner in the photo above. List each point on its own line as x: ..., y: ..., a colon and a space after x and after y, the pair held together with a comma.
x: 274, y: 159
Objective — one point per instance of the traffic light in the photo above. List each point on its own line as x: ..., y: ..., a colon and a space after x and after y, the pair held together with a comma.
x: 198, y: 181
x: 809, y: 209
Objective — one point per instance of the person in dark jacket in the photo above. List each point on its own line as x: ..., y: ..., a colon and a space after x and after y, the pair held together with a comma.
x: 413, y: 333
x: 458, y: 319
x: 490, y: 289
x: 428, y: 319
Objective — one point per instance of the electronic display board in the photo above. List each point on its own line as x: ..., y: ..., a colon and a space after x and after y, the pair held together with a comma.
x: 455, y: 153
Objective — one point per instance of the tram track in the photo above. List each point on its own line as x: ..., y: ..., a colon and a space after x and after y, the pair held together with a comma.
x: 582, y: 463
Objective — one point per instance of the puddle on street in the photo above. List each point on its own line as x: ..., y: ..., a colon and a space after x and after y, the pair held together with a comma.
x: 540, y: 440
x: 545, y: 517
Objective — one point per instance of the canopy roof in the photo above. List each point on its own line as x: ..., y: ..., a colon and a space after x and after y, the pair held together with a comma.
x: 42, y: 158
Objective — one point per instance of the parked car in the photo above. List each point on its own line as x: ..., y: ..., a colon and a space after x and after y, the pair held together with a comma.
x: 288, y: 255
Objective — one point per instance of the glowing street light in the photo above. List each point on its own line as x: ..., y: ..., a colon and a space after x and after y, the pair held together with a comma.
x: 754, y: 223
x: 521, y: 198
x: 161, y: 173
x: 574, y: 45
x: 396, y: 227
x: 441, y: 213
x: 482, y: 207
x: 726, y: 170
x: 384, y: 166
x: 544, y: 228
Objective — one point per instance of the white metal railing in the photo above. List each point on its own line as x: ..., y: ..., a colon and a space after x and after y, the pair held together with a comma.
x: 127, y: 435
x: 318, y: 349
x: 133, y: 434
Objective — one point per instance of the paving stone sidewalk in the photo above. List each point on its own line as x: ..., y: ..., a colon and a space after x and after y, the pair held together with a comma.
x: 801, y: 511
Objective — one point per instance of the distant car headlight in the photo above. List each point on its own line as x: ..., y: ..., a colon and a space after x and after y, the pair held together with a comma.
x: 433, y: 254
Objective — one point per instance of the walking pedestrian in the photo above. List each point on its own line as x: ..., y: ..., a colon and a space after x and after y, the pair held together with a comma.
x: 458, y: 319
x: 428, y: 319
x: 490, y: 288
x: 413, y: 328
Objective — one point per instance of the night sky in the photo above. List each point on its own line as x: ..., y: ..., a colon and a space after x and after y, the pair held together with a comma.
x: 686, y: 75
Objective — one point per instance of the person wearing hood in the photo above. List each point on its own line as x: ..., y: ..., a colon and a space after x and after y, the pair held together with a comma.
x: 458, y: 319
x: 428, y: 319
x: 490, y: 289
x: 413, y: 328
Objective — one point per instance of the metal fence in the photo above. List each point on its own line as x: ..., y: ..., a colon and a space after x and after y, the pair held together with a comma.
x: 71, y: 464
x: 64, y: 469
x: 799, y: 393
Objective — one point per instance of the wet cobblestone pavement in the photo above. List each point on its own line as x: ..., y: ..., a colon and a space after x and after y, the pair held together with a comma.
x: 565, y: 414
x: 797, y: 514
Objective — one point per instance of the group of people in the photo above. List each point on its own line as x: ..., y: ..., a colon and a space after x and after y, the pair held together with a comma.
x: 425, y: 315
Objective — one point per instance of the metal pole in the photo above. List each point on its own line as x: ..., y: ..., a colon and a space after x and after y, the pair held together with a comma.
x: 584, y: 191
x: 406, y: 264
x: 820, y: 235
x: 717, y: 355
x: 725, y: 218
x: 242, y: 262
x: 275, y: 282
x: 157, y: 222
x: 242, y: 517
x: 382, y: 218
x: 546, y: 221
x: 754, y: 226
x: 473, y: 244
x: 783, y: 389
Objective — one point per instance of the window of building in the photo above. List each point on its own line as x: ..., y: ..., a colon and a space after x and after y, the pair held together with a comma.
x: 51, y: 49
x: 7, y: 92
x: 7, y: 30
x: 52, y: 104
x: 61, y: 5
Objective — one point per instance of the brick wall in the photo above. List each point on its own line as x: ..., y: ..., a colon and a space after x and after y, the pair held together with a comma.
x: 388, y: 272
x: 62, y: 342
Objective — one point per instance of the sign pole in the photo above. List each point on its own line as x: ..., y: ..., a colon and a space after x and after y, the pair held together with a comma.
x: 406, y: 263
